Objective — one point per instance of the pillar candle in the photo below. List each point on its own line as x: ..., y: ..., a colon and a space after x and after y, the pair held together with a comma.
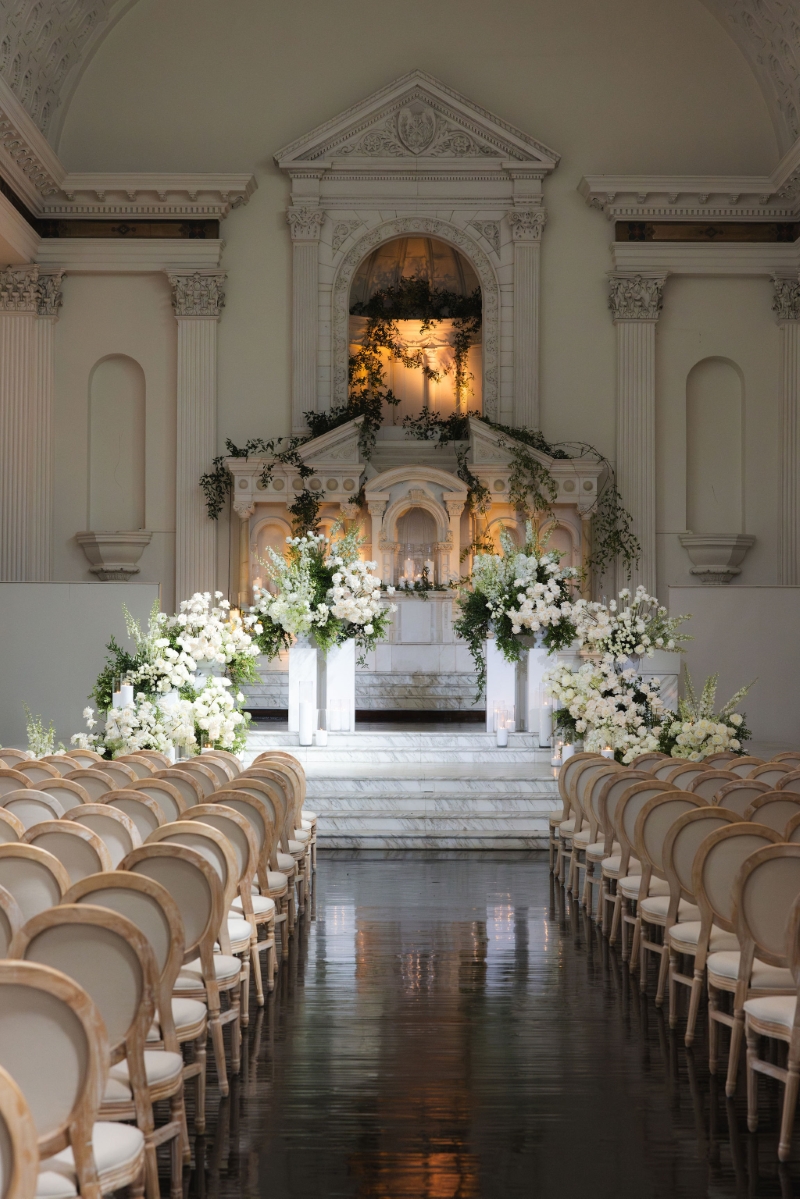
x: 306, y: 721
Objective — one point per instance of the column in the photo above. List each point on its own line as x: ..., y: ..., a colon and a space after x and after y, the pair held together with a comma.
x: 305, y: 227
x: 376, y: 511
x: 244, y: 509
x: 41, y: 504
x: 786, y: 306
x: 635, y: 302
x: 197, y: 299
x: 454, y: 510
x: 526, y: 230
x: 18, y: 306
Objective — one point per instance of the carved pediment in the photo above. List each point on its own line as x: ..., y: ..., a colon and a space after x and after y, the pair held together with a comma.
x: 491, y: 447
x: 339, y: 445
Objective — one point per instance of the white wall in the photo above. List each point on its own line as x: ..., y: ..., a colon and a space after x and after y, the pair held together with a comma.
x: 52, y: 647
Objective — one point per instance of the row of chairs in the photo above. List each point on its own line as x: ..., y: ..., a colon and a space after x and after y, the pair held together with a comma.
x: 699, y: 871
x: 131, y: 920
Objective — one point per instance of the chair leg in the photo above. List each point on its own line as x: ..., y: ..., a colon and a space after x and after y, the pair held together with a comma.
x: 694, y: 1007
x: 255, y: 969
x: 713, y: 1029
x: 551, y: 845
x: 200, y: 1094
x: 244, y: 984
x: 789, y: 1107
x: 151, y: 1187
x: 615, y: 919
x: 314, y: 854
x: 663, y: 968
x: 635, y: 940
x: 218, y: 1045
x: 752, y: 1080
x: 737, y: 1033
x: 177, y: 1159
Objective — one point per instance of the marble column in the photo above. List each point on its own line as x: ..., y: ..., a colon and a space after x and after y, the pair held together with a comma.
x: 786, y: 306
x: 526, y: 230
x: 305, y: 226
x: 19, y: 299
x: 635, y: 302
x: 376, y: 511
x: 454, y: 510
x: 244, y: 509
x: 41, y: 500
x: 197, y: 299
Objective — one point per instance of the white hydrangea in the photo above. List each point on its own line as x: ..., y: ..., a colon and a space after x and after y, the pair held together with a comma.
x: 627, y: 627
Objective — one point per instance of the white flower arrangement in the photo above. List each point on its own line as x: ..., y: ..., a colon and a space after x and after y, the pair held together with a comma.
x: 697, y: 732
x: 628, y: 627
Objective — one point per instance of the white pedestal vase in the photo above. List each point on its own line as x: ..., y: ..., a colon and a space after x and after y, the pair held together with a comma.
x: 539, y: 661
x: 666, y: 667
x: 340, y: 687
x: 501, y: 684
x: 302, y: 682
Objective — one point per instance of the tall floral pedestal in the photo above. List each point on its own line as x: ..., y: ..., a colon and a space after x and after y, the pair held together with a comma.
x: 538, y: 661
x: 340, y: 687
x: 666, y: 667
x: 302, y: 682
x: 501, y: 684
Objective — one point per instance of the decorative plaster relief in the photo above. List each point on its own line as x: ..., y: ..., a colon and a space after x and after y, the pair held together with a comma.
x: 527, y: 225
x: 341, y: 231
x: 305, y: 223
x: 50, y: 297
x: 198, y: 294
x: 786, y: 299
x: 636, y: 297
x: 490, y: 230
x: 19, y: 289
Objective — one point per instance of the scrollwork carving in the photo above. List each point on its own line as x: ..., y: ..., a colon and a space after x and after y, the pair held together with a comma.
x: 636, y: 297
x: 198, y: 294
x: 417, y: 129
x: 49, y: 294
x: 341, y: 231
x: 305, y: 223
x: 18, y: 289
x: 786, y: 299
x: 491, y: 231
x: 527, y: 224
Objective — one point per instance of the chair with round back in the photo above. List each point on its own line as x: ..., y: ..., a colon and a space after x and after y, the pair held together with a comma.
x: 225, y: 755
x: 68, y: 794
x: 37, y: 772
x: 789, y: 782
x: 120, y: 774
x: 35, y: 878
x: 630, y: 888
x: 792, y: 757
x: 10, y: 920
x: 720, y: 758
x: 659, y: 911
x: 160, y: 761
x: 773, y: 1017
x: 280, y: 864
x: 106, y: 954
x: 616, y: 864
x: 791, y: 832
x: 85, y: 757
x: 775, y: 809
x: 54, y: 1044
x: 744, y: 764
x: 681, y: 777
x: 714, y: 873
x: 770, y: 773
x: 19, y: 1151
x: 307, y: 818
x: 691, y: 938
x: 141, y: 767
x: 169, y: 794
x: 255, y: 805
x: 194, y: 885
x: 648, y: 761
x: 12, y: 780
x: 591, y: 788
x: 11, y: 827
x: 146, y: 813
x: 203, y: 775
x: 154, y: 912
x: 738, y: 795
x: 117, y: 831
x: 95, y: 782
x: 78, y: 849
x: 561, y: 839
x: 11, y: 756
x: 189, y: 790
x: 62, y: 763
x: 581, y: 788
x: 709, y: 783
x: 32, y: 807
x: 222, y: 771
x: 284, y: 799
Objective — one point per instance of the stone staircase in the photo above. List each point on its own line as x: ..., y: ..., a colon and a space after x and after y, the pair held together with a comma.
x: 382, y: 691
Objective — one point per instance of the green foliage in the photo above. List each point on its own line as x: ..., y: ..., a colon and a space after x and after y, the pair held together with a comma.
x: 118, y: 662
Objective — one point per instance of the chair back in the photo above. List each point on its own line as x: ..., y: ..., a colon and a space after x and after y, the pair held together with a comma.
x: 68, y: 794
x: 237, y: 829
x: 160, y: 761
x: 32, y: 807
x: 146, y: 813
x: 282, y: 795
x: 120, y: 773
x: 648, y: 761
x: 681, y: 777
x: 738, y: 795
x: 54, y: 1045
x: 564, y: 776
x: 12, y: 780
x: 718, y: 760
x: 95, y: 782
x: 222, y: 771
x: 791, y: 832
x: 792, y: 757
x: 592, y: 791
x: 775, y: 809
x: 289, y: 760
x: 170, y: 794
x: 10, y: 920
x: 583, y: 783
x: 709, y: 782
x: 19, y: 1151
x: 217, y: 851
x: 717, y: 864
x: 257, y: 810
x: 765, y: 893
x: 12, y: 756
x: 141, y: 767
x: 11, y: 827
x: 234, y: 763
x: 154, y: 912
x: 186, y: 785
x: 37, y: 772
x: 78, y: 849
x: 35, y: 878
x: 610, y: 796
x: 628, y: 809
x: 203, y: 775
x: 294, y: 786
x: 85, y: 757
x: 682, y: 842
x: 269, y: 797
x: 115, y: 829
x: 744, y: 764
x: 770, y: 773
x: 789, y: 782
x: 654, y: 822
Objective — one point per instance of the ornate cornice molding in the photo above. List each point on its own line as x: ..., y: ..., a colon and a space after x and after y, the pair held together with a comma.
x: 527, y: 224
x: 199, y: 293
x: 636, y: 297
x: 49, y: 294
x: 305, y: 223
x: 786, y: 299
x: 19, y: 288
x: 141, y: 193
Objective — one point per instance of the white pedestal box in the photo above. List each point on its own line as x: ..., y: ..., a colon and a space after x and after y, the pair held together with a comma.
x: 340, y: 687
x: 539, y: 660
x: 501, y: 684
x: 302, y: 681
x: 666, y: 667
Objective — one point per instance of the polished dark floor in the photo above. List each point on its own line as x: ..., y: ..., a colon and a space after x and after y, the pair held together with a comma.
x: 454, y: 1029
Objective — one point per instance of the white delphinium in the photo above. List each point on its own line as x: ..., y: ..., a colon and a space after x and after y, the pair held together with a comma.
x: 697, y: 731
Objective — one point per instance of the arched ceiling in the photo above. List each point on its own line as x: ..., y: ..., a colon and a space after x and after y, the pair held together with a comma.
x: 47, y: 43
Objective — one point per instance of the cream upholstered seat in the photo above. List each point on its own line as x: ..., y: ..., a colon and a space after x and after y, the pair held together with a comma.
x: 656, y: 907
x: 118, y: 1150
x: 631, y: 886
x: 685, y: 937
x: 19, y: 1150
x: 620, y: 863
x: 191, y: 976
x: 723, y: 966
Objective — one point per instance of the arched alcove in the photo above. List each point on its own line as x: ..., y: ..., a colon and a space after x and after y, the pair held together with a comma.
x: 268, y: 534
x: 714, y: 447
x: 416, y: 540
x: 117, y: 407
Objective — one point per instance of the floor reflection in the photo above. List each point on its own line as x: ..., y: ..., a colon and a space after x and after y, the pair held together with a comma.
x: 458, y: 1029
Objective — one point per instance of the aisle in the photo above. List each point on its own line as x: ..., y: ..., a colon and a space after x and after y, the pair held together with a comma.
x: 445, y: 1029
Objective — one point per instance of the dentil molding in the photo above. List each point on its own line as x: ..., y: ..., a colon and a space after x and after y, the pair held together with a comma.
x: 199, y: 293
x: 636, y: 297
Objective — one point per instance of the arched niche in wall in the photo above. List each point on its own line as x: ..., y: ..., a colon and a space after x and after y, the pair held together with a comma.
x: 416, y: 538
x: 117, y: 407
x: 267, y: 534
x: 714, y: 447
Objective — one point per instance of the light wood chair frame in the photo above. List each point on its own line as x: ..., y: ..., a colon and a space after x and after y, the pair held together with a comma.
x: 68, y: 828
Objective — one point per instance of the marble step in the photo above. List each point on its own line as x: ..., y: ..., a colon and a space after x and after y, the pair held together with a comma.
x: 452, y: 692
x: 373, y: 749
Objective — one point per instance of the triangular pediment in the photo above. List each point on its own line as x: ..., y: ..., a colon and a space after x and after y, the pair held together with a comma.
x: 338, y: 446
x: 491, y: 447
x: 416, y: 117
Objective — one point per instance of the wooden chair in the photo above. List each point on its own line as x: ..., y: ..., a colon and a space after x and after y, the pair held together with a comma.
x: 789, y: 782
x: 159, y: 760
x: 107, y: 955
x: 196, y: 889
x: 145, y: 812
x: 10, y: 921
x: 617, y: 864
x: 770, y: 773
x: 85, y: 758
x: 286, y: 799
x: 12, y: 780
x: 768, y: 922
x: 714, y: 872
x: 717, y: 761
x: 11, y: 756
x: 562, y: 823
x: 744, y: 764
x: 737, y: 796
x: 35, y: 878
x: 592, y: 788
x: 581, y: 788
x: 68, y: 794
x: 791, y: 832
x: 117, y: 831
x: 775, y: 809
x: 649, y: 761
x: 708, y: 783
x: 120, y: 773
x: 62, y: 763
x: 31, y: 807
x: 19, y: 1152
x: 254, y: 804
x: 225, y: 755
x: 11, y: 827
x: 37, y: 772
x: 691, y: 938
x: 142, y: 767
x: 309, y: 818
x: 188, y: 788
x: 668, y: 767
x: 222, y: 770
x: 54, y: 1044
x: 155, y: 913
x: 792, y: 757
x: 78, y: 849
x: 95, y: 782
x: 203, y: 775
x: 632, y: 889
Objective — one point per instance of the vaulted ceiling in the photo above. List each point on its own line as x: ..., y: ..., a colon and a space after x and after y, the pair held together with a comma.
x: 47, y: 43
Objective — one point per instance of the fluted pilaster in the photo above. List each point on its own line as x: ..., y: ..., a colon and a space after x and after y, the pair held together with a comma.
x: 18, y: 299
x: 526, y: 229
x: 41, y: 499
x: 305, y: 224
x: 786, y: 305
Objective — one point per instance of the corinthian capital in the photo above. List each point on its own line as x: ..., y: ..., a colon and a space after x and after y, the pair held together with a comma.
x: 636, y: 297
x: 198, y: 293
x: 49, y: 296
x: 305, y: 223
x: 527, y: 224
x: 786, y: 299
x: 18, y: 290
